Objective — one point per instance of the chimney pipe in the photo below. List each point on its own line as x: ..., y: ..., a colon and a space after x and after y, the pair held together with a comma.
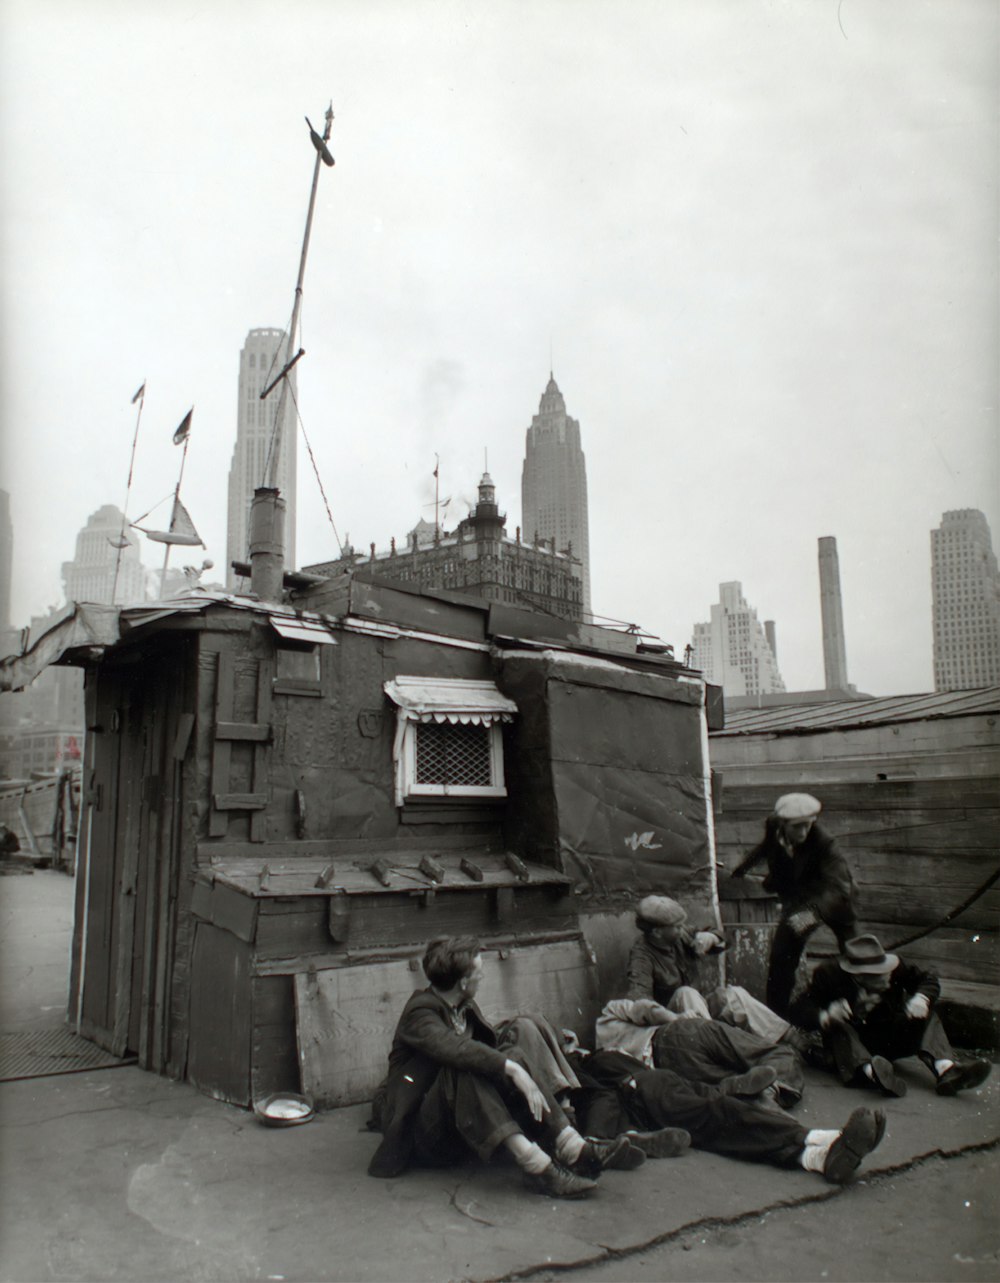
x: 267, y: 544
x: 831, y: 610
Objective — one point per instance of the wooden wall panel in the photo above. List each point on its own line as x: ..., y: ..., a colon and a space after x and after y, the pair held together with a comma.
x: 220, y: 1034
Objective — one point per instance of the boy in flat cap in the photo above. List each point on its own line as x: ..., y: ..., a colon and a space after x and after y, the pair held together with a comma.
x: 872, y: 1009
x: 812, y: 880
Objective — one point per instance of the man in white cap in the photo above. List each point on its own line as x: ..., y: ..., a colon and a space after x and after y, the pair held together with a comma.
x: 872, y: 1009
x: 813, y: 881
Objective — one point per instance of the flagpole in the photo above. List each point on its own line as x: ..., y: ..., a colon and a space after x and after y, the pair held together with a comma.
x: 128, y: 488
x: 271, y: 468
x: 177, y: 495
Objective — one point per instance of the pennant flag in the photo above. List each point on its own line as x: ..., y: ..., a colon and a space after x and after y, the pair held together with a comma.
x: 319, y: 144
x: 141, y: 392
x: 184, y: 430
x: 181, y: 530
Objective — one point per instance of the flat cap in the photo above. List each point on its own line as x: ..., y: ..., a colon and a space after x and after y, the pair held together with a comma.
x: 661, y: 911
x: 797, y: 806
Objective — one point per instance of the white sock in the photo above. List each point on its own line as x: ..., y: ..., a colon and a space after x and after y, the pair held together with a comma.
x: 569, y: 1145
x: 942, y: 1066
x: 816, y: 1147
x: 528, y: 1156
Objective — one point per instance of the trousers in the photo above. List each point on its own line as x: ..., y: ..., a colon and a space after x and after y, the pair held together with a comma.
x: 786, y: 952
x: 464, y: 1111
x: 708, y: 1051
x: 652, y: 1098
x: 884, y: 1033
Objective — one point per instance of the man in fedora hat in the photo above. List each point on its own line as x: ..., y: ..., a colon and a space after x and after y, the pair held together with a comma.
x: 872, y: 1008
x: 813, y: 881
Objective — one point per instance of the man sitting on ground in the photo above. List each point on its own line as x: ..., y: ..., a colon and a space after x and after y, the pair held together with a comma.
x: 665, y: 963
x: 450, y: 1091
x: 871, y: 1009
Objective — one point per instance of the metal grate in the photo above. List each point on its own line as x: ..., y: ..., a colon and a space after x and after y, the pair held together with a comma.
x: 453, y: 753
x: 38, y: 1053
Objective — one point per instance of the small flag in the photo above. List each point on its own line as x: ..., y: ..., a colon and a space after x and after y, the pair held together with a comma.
x: 140, y: 393
x: 319, y: 144
x: 184, y: 430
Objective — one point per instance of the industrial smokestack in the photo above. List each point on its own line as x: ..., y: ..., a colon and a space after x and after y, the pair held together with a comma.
x: 267, y: 544
x: 831, y: 609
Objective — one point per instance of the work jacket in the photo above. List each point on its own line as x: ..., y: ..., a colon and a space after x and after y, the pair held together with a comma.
x: 425, y: 1041
x: 830, y: 982
x: 815, y: 877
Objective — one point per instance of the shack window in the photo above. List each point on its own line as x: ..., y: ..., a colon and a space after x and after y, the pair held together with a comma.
x: 448, y: 738
x: 298, y: 663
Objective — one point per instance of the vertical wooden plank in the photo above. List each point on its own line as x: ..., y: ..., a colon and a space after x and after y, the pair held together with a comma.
x: 130, y: 800
x: 261, y: 751
x: 218, y: 821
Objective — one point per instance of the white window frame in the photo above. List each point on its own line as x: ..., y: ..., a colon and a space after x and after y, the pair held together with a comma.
x: 447, y: 701
x: 406, y: 765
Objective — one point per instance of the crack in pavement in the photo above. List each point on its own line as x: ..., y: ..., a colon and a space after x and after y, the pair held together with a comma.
x: 741, y: 1218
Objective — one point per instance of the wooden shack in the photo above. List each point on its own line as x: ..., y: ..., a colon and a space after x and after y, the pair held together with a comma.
x: 909, y: 786
x: 283, y: 802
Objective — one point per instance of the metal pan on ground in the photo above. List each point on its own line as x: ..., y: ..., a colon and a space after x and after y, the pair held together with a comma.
x: 284, y: 1109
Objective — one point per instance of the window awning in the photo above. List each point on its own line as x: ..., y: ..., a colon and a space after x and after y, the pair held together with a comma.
x: 297, y: 628
x: 450, y: 699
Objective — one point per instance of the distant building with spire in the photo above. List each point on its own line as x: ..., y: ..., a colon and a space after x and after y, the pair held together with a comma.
x: 478, y: 557
x: 261, y: 359
x: 554, y: 484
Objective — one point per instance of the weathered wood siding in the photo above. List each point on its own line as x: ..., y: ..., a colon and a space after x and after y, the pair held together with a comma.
x: 915, y: 807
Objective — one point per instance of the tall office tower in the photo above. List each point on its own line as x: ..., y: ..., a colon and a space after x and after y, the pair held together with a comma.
x: 262, y: 357
x: 832, y: 616
x: 965, y: 595
x: 91, y: 575
x: 554, y: 484
x: 733, y: 649
x: 6, y: 559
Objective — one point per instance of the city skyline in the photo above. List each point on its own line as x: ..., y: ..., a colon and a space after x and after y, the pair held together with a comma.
x: 706, y: 223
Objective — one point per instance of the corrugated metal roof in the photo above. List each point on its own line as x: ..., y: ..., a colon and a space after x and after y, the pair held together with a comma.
x: 798, y: 719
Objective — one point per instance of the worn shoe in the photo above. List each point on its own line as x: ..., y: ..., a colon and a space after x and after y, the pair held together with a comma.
x: 618, y: 1154
x: 965, y: 1074
x: 750, y: 1084
x: 862, y: 1133
x: 557, y: 1181
x: 886, y: 1077
x: 667, y: 1142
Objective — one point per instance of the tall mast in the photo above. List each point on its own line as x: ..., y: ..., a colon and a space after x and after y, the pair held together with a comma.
x: 322, y: 155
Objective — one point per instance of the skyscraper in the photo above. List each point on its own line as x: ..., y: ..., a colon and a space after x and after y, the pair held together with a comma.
x: 734, y: 650
x: 554, y: 484
x: 261, y: 358
x: 965, y: 593
x: 91, y: 575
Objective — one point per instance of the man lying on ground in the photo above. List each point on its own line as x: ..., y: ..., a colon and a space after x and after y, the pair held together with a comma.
x: 450, y: 1091
x: 618, y: 1092
x: 871, y: 1009
x: 702, y: 1050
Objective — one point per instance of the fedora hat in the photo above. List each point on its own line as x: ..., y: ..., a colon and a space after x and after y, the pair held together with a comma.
x: 864, y: 955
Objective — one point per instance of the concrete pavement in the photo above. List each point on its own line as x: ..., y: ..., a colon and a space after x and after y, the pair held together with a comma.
x: 120, y: 1174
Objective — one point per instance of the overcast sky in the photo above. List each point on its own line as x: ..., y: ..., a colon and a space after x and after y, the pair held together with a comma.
x: 758, y: 239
